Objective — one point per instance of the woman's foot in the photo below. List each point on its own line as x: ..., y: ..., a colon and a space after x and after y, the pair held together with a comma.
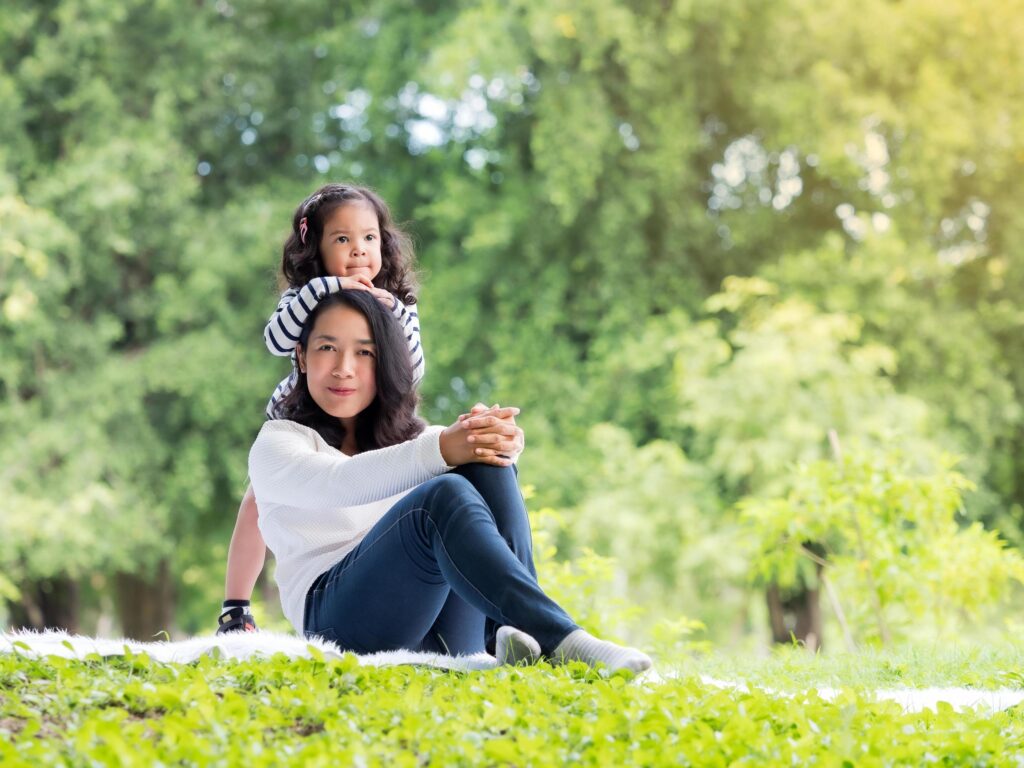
x: 581, y: 646
x: 513, y: 646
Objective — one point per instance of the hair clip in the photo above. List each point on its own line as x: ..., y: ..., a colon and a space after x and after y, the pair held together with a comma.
x: 303, y: 228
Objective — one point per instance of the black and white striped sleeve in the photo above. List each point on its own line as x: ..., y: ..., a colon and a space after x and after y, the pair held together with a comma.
x: 280, y: 393
x: 285, y: 325
x: 409, y: 319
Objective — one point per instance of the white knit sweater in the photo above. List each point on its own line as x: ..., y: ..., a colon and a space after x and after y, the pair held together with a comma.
x: 316, y: 504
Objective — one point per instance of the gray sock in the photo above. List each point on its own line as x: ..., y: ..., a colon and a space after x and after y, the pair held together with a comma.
x: 581, y: 646
x: 513, y: 646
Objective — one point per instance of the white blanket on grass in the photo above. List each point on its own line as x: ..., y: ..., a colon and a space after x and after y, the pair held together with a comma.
x: 242, y: 645
x: 233, y: 645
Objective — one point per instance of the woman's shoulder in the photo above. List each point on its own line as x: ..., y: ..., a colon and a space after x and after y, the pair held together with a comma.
x: 284, y: 430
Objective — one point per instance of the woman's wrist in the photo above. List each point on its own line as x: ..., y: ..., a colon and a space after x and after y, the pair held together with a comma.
x: 445, y: 445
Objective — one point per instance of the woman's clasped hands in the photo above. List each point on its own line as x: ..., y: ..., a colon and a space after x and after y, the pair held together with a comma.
x: 485, y: 436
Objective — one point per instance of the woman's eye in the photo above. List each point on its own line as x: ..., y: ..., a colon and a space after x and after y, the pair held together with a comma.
x: 366, y: 352
x: 325, y: 348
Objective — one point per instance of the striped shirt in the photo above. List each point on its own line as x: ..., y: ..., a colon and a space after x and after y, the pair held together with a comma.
x: 285, y: 326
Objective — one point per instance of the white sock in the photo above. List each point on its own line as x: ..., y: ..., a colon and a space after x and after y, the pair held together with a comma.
x: 513, y: 646
x: 581, y: 646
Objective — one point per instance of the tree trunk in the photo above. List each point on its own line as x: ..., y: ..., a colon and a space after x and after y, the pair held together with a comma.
x: 145, y: 604
x: 47, y: 604
x: 796, y: 615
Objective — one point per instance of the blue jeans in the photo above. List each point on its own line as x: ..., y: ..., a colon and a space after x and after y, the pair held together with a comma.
x: 440, y: 572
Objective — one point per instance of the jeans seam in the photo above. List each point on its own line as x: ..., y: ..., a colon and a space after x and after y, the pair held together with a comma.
x: 504, y: 619
x: 362, y: 552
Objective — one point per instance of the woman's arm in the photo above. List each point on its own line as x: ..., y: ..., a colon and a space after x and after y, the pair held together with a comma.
x: 247, y: 551
x: 286, y: 468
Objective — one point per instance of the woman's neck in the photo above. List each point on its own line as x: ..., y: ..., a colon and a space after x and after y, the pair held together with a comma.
x: 349, y: 446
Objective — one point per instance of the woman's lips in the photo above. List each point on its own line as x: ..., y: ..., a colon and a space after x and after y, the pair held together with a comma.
x: 342, y: 391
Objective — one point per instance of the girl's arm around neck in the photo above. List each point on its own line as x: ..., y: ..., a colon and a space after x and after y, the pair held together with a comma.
x: 288, y: 465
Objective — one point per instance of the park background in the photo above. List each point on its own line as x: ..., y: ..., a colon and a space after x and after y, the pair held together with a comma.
x: 688, y: 239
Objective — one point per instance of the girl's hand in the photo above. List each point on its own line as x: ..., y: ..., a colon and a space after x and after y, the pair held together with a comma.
x: 359, y: 283
x: 484, y: 436
x: 385, y: 298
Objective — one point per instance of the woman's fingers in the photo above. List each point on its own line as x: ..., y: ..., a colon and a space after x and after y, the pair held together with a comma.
x: 501, y: 431
x: 476, y: 409
x: 500, y: 446
x: 502, y: 434
x: 509, y: 442
x: 489, y: 419
x: 493, y: 458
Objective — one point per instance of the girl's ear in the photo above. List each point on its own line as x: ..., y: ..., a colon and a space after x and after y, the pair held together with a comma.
x: 300, y: 354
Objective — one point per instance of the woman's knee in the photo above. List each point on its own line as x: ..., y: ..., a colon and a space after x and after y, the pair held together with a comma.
x: 448, y: 492
x: 450, y: 483
x: 476, y: 473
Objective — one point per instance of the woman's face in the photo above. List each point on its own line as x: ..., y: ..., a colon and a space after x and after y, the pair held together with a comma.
x: 341, y: 363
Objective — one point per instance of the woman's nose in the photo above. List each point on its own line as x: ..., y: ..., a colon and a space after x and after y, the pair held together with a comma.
x: 345, y: 366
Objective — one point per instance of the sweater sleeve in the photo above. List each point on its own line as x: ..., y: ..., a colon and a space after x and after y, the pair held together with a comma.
x: 288, y: 467
x: 285, y: 325
x: 409, y: 319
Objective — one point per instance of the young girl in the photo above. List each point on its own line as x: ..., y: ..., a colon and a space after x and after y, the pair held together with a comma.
x: 389, y: 534
x: 343, y: 239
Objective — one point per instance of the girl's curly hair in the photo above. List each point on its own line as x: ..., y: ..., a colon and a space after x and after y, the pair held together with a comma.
x: 301, y: 262
x: 391, y: 417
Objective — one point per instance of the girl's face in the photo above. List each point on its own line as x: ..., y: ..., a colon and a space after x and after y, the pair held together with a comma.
x: 341, y: 363
x: 350, y: 244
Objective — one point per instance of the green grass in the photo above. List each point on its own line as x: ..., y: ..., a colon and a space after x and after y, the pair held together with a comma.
x: 792, y: 669
x: 134, y: 711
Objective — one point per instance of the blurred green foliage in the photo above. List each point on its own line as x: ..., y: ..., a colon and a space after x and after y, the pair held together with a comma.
x: 891, y: 543
x: 687, y: 238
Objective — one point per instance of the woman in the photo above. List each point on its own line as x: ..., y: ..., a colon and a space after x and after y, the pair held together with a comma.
x: 389, y: 534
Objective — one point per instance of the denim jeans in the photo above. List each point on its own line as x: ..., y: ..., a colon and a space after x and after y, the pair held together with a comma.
x: 440, y: 571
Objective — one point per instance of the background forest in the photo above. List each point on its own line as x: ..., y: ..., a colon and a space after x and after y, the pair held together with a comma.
x: 690, y: 239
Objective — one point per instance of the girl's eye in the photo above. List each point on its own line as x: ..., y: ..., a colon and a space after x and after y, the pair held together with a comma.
x: 371, y: 237
x: 342, y: 239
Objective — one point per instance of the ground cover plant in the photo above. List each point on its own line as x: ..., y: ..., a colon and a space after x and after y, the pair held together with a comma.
x: 132, y: 710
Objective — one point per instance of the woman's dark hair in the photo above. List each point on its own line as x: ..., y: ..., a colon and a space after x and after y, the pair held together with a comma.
x: 301, y: 262
x: 391, y: 417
